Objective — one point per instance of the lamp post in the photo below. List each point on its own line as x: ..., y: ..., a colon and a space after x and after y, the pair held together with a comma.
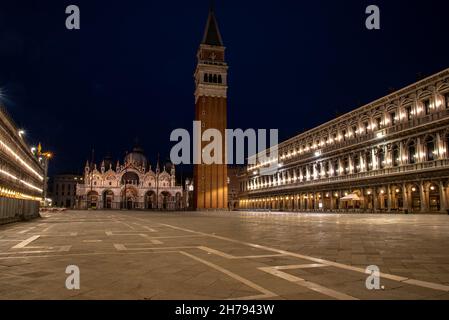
x: 45, y: 158
x: 157, y: 183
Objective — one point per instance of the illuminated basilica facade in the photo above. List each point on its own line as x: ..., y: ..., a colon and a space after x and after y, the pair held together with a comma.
x: 131, y: 185
x: 391, y: 155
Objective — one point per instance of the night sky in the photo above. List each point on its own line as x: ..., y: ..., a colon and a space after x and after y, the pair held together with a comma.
x: 128, y: 73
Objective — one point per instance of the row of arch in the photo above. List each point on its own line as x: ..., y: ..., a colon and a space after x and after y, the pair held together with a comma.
x: 213, y: 78
x: 367, y: 123
x: 420, y: 197
x: 130, y: 199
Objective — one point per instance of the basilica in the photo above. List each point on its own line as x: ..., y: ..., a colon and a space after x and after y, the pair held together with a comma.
x: 131, y: 185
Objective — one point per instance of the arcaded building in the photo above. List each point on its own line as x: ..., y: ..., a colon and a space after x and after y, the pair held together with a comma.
x: 22, y: 174
x: 391, y: 155
x: 132, y: 184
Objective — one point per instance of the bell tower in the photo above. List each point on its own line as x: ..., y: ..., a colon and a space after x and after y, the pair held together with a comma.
x: 211, y: 181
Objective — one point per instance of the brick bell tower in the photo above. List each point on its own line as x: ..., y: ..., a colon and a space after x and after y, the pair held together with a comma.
x: 211, y: 181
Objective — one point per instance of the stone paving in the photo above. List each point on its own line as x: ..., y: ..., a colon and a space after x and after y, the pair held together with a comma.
x: 146, y: 255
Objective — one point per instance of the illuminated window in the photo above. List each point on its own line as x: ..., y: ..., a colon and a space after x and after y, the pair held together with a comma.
x: 393, y: 118
x: 430, y: 149
x: 427, y: 106
x: 408, y: 111
x: 381, y: 158
x: 379, y: 123
x: 396, y: 156
x: 356, y: 164
x: 446, y: 98
x: 411, y: 152
x: 366, y: 126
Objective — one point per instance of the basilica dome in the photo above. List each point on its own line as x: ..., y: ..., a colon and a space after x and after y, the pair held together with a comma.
x: 136, y: 157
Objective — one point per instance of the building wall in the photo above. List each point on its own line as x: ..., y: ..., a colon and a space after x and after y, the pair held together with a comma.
x: 63, y: 190
x: 21, y: 174
x: 392, y: 154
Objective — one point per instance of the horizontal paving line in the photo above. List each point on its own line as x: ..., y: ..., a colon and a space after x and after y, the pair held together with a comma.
x: 122, y: 247
x: 61, y: 249
x: 26, y: 242
x: 229, y: 256
x: 26, y: 230
x: 300, y: 266
x: 114, y: 253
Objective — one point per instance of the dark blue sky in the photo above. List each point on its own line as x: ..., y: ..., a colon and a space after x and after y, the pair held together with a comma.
x: 129, y: 71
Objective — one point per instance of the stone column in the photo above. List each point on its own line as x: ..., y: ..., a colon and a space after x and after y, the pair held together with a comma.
x: 439, y: 146
x: 331, y: 169
x: 375, y: 200
x: 363, y: 164
x: 423, y: 194
x: 443, y: 200
x: 340, y: 167
x: 331, y: 194
x: 401, y: 153
x: 351, y: 164
x: 405, y: 198
x: 419, y: 150
x: 389, y: 198
x: 323, y: 170
x: 374, y: 159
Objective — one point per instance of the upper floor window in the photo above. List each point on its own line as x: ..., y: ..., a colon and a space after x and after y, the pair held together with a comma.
x: 354, y: 130
x: 396, y: 156
x: 220, y: 79
x: 379, y: 123
x: 430, y: 149
x: 369, y: 161
x: 346, y: 165
x: 446, y: 99
x: 411, y: 149
x: 206, y: 77
x: 408, y: 112
x: 336, y: 168
x: 427, y: 106
x: 393, y: 118
x: 366, y: 126
x: 356, y: 164
x: 344, y: 135
x: 381, y: 158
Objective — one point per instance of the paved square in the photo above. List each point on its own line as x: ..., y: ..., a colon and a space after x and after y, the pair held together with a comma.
x: 146, y: 255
